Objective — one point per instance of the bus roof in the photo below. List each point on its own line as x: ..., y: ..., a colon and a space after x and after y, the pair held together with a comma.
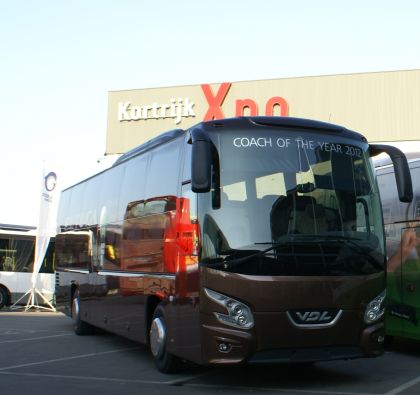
x: 235, y: 122
x: 384, y: 160
x: 17, y: 228
x: 284, y: 122
x: 158, y: 140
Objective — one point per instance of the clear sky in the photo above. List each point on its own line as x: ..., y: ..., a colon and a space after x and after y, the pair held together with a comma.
x: 59, y: 59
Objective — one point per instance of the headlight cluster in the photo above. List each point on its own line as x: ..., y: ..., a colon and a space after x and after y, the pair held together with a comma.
x: 239, y: 315
x: 375, y: 309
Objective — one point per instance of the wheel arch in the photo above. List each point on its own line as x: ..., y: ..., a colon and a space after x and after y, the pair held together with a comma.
x: 151, y: 304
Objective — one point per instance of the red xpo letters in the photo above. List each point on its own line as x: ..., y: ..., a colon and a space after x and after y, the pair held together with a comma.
x: 273, y: 105
x: 215, y: 102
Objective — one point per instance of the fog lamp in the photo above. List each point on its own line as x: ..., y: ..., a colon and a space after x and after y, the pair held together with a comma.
x: 224, y: 347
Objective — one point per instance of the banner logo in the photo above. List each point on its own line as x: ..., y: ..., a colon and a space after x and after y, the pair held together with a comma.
x: 50, y: 181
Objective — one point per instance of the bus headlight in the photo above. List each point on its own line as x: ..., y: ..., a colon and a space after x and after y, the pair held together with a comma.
x: 375, y: 308
x: 238, y: 314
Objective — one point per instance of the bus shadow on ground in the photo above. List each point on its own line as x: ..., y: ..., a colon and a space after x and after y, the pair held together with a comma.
x: 296, y: 376
x: 404, y: 346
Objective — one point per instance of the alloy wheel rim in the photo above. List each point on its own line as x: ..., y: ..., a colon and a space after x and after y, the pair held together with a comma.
x: 75, y: 309
x: 157, y: 337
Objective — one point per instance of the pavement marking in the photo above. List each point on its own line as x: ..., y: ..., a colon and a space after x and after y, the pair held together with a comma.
x: 181, y: 381
x: 108, y: 379
x: 286, y: 390
x: 5, y: 330
x: 20, y: 330
x: 34, y: 338
x: 403, y: 387
x: 67, y: 358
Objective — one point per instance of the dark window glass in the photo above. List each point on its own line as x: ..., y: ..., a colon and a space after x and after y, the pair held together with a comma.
x: 17, y: 254
x: 73, y: 249
x: 48, y: 264
x: 292, y: 203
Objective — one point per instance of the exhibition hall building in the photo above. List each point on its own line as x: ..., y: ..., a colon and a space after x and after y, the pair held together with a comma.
x: 383, y: 106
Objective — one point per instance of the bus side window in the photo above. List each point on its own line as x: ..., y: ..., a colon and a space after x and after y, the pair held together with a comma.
x: 73, y: 249
x: 186, y: 172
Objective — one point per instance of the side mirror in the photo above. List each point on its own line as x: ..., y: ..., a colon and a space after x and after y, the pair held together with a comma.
x: 401, y: 169
x: 200, y: 162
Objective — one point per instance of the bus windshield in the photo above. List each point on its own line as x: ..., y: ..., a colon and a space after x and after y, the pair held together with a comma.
x: 289, y: 202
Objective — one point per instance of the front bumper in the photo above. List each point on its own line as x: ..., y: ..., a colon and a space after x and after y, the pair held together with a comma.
x: 266, y: 344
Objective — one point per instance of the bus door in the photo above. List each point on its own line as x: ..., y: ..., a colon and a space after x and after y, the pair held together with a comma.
x: 410, y: 280
x: 187, y: 319
x: 395, y: 310
x: 73, y: 252
x: 187, y: 275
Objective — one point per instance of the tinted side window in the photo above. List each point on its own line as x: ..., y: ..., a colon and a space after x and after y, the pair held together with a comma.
x: 73, y: 249
x: 110, y: 193
x: 164, y: 170
x: 134, y: 183
x: 187, y: 162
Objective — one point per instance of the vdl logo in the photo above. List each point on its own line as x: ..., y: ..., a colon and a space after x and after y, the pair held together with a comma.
x: 314, y: 318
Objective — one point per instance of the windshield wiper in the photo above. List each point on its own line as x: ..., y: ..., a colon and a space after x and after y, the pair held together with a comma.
x: 229, y: 263
x: 296, y: 237
x: 362, y: 250
x: 226, y: 264
x: 350, y: 242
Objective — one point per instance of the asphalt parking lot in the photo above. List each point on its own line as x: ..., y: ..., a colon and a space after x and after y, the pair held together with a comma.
x: 39, y: 354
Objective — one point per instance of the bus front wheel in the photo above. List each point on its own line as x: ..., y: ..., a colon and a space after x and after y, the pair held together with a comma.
x: 165, y: 362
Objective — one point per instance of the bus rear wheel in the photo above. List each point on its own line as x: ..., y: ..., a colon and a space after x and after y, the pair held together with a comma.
x: 4, y: 298
x: 80, y: 327
x: 165, y: 362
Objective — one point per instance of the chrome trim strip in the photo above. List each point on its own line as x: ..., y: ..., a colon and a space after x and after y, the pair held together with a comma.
x: 165, y: 276
x: 315, y: 326
x: 80, y: 271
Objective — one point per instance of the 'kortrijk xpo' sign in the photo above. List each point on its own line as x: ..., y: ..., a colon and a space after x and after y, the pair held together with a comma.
x: 383, y: 106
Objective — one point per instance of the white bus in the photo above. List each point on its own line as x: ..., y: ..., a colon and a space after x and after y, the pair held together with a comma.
x: 17, y: 251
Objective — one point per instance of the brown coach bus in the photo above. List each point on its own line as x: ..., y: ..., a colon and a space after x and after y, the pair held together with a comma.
x: 252, y: 239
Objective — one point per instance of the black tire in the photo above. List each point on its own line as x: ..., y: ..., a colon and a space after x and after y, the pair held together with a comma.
x: 80, y: 327
x: 4, y: 298
x: 164, y: 361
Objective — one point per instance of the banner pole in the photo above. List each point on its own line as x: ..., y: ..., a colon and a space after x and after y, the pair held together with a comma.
x: 46, y: 221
